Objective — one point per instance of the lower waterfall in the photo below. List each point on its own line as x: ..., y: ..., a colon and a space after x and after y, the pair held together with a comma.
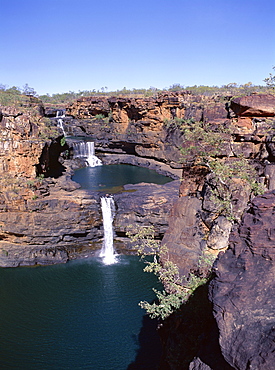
x: 86, y: 149
x: 107, y: 251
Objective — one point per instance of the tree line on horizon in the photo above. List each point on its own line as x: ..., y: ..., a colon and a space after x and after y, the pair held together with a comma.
x: 16, y: 95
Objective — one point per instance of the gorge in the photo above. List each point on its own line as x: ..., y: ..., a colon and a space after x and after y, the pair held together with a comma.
x: 218, y: 150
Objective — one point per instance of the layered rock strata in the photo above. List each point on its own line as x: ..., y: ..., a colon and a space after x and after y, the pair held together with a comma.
x: 50, y: 220
x: 146, y: 132
x: 20, y: 145
x: 142, y: 126
x: 235, y: 328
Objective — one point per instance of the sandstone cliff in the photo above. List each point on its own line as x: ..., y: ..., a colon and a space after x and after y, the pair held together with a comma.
x: 235, y: 328
x: 142, y: 126
x: 234, y: 132
x: 224, y: 150
x: 44, y: 217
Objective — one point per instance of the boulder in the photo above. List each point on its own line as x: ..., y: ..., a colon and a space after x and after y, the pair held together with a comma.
x: 219, y: 233
x: 262, y: 105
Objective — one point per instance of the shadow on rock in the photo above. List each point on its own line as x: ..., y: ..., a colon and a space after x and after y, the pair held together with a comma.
x: 190, y: 336
x: 149, y: 352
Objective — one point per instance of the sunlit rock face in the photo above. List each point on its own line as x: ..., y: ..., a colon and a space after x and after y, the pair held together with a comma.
x: 140, y: 131
x: 20, y: 146
x: 50, y: 220
x: 144, y: 205
x: 142, y: 126
x: 262, y: 105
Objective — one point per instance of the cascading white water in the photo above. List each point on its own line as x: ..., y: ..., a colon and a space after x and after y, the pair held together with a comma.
x: 107, y: 251
x: 86, y: 150
x: 60, y: 114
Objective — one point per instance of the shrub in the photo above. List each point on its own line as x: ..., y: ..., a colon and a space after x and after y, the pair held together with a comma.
x: 177, y: 289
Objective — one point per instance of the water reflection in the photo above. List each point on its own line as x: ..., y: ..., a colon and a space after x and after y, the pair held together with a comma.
x: 105, y: 178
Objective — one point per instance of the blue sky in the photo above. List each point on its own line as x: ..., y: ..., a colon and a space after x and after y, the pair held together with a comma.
x: 70, y: 45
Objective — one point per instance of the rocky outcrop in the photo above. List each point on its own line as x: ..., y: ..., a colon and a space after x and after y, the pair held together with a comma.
x: 240, y: 335
x: 243, y: 335
x: 185, y: 235
x: 198, y: 221
x: 144, y: 205
x: 147, y: 132
x: 143, y: 126
x: 243, y: 290
x: 50, y: 229
x: 20, y: 146
x: 152, y: 128
x: 66, y: 223
x: 261, y: 105
x: 153, y: 110
x: 50, y: 220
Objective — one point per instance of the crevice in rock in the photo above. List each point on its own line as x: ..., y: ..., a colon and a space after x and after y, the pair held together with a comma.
x: 49, y: 164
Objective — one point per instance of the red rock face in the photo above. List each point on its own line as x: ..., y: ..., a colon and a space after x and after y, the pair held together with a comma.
x: 193, y: 178
x: 140, y: 128
x: 20, y: 147
x: 243, y: 290
x: 254, y: 106
x: 154, y: 111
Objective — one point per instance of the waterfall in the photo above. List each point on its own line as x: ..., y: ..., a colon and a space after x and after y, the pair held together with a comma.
x: 107, y: 250
x: 86, y: 150
x: 60, y: 114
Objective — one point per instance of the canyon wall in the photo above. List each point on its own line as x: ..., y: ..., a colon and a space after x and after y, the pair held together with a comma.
x: 233, y: 132
x: 150, y: 132
x: 240, y: 334
x: 142, y: 126
x: 223, y: 151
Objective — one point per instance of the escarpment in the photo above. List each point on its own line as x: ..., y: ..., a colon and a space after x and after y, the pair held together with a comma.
x: 230, y: 323
x: 144, y: 127
x: 197, y: 138
x: 220, y: 154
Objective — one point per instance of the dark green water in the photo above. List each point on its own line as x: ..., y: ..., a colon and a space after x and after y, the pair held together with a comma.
x: 110, y: 177
x: 80, y: 315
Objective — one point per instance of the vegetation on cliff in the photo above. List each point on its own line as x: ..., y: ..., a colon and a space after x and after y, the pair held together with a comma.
x: 270, y: 80
x: 231, y: 89
x: 17, y: 95
x: 177, y: 289
x: 209, y: 145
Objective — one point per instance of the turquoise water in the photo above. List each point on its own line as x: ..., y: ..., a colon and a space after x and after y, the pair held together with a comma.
x: 80, y: 315
x: 108, y: 177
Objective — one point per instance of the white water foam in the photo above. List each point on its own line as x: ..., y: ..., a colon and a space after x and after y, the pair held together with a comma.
x: 86, y: 150
x: 60, y: 114
x: 107, y: 252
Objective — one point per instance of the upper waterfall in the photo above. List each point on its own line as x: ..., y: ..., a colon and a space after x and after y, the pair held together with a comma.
x: 60, y: 114
x: 86, y: 149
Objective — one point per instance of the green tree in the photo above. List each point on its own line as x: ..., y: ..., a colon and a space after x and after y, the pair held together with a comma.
x: 177, y: 288
x: 27, y: 90
x: 270, y: 81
